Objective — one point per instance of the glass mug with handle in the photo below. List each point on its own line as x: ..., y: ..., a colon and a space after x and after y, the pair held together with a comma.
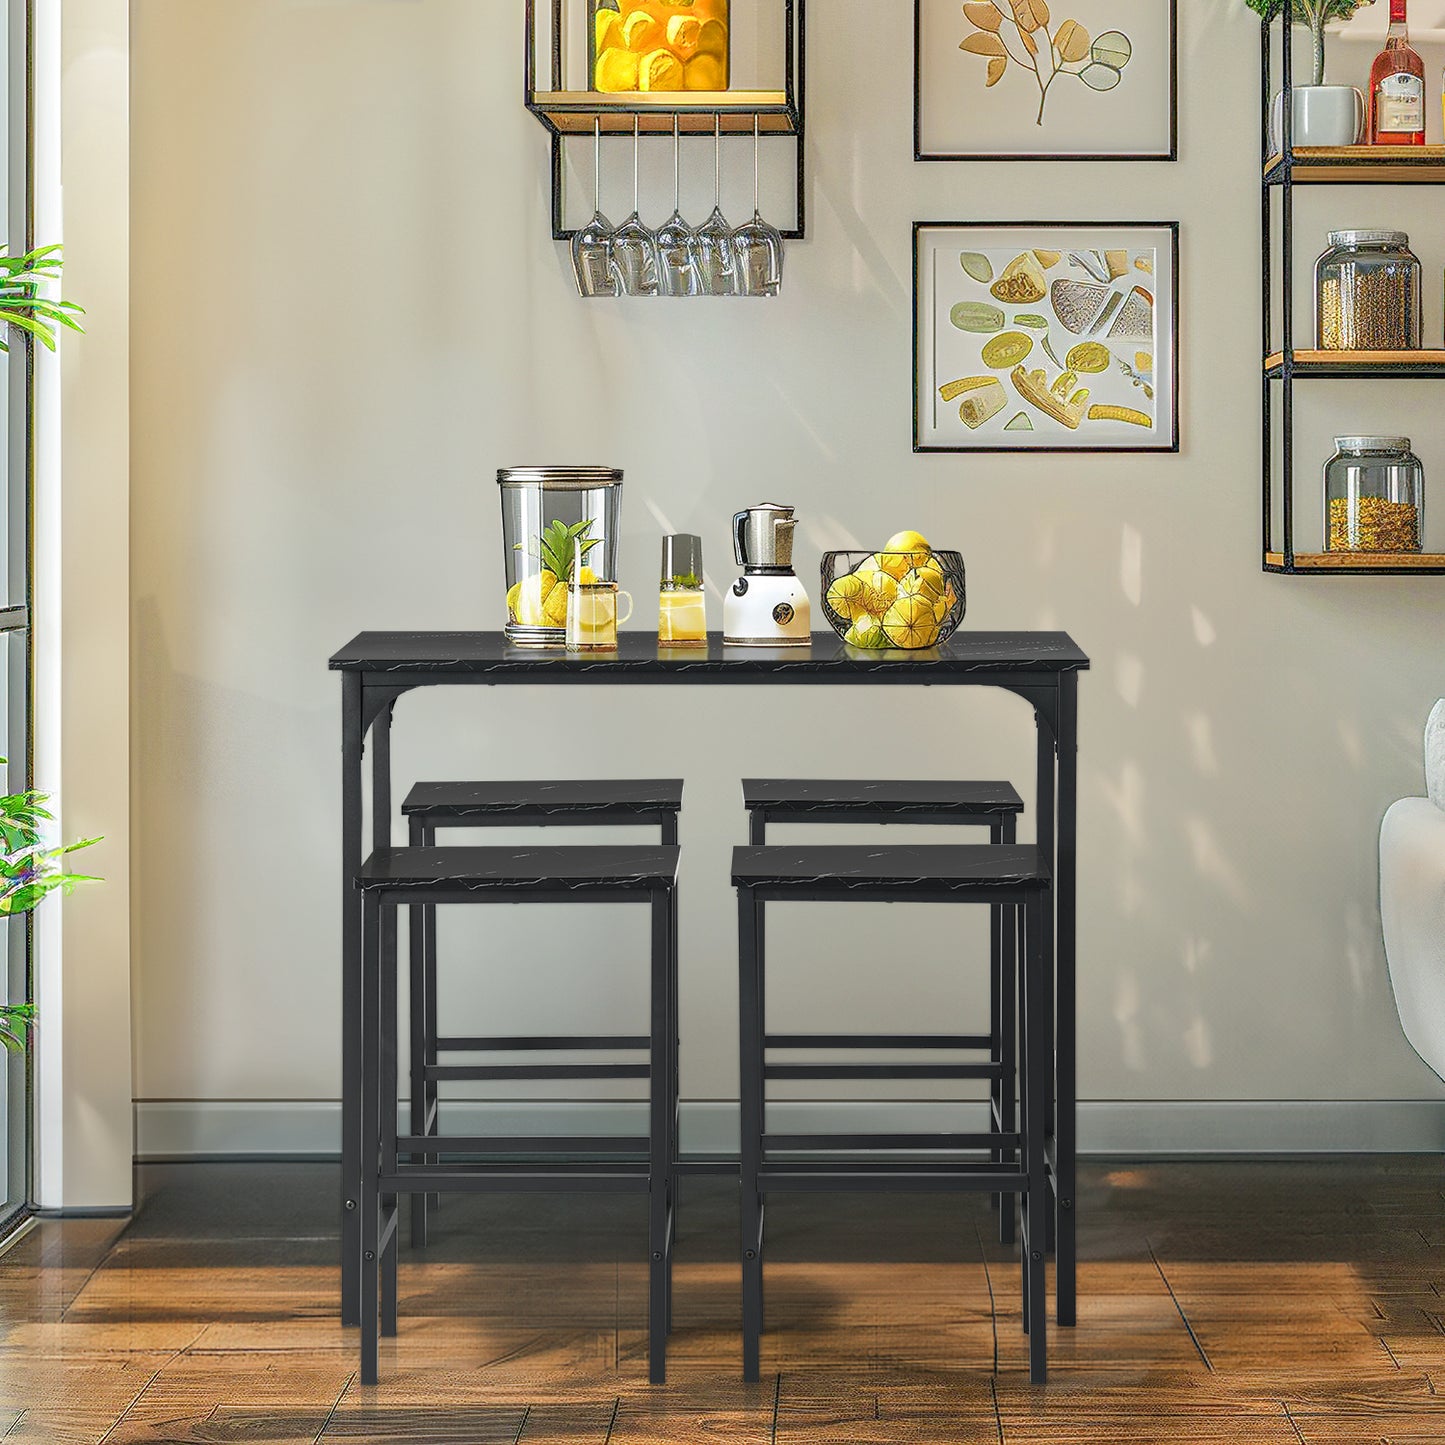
x: 592, y: 619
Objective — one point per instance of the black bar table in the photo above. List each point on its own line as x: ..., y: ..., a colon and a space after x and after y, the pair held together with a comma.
x: 379, y: 667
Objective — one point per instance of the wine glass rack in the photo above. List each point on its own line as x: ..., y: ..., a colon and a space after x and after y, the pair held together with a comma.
x: 553, y: 25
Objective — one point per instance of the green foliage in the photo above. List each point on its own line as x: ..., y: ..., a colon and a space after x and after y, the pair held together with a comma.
x: 688, y: 579
x: 16, y: 1021
x: 1314, y: 15
x: 22, y: 305
x: 28, y: 871
x: 555, y: 546
x: 1310, y: 12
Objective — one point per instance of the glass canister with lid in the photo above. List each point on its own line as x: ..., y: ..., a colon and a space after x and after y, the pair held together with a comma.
x: 1367, y: 293
x: 550, y: 517
x: 1374, y: 496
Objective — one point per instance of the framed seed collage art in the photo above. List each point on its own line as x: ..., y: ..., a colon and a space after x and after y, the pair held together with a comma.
x: 1046, y: 336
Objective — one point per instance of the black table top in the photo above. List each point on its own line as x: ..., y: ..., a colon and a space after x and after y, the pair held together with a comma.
x: 851, y: 867
x: 638, y: 658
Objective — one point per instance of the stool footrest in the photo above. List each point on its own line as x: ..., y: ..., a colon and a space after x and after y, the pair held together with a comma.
x: 877, y: 1041
x: 882, y: 1071
x: 535, y: 1178
x: 981, y: 1176
x: 551, y: 1043
x: 519, y: 1144
x: 443, y: 1072
x: 890, y: 1142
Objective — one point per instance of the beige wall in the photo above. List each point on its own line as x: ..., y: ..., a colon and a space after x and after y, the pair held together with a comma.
x: 349, y: 312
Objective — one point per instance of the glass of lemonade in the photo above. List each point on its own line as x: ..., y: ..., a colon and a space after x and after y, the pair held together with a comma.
x: 592, y: 618
x: 681, y: 606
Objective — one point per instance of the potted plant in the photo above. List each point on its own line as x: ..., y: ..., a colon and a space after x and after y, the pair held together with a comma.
x: 28, y: 873
x: 22, y: 305
x: 1323, y: 115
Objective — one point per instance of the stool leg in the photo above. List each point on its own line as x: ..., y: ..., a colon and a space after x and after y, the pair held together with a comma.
x: 416, y: 947
x: 1038, y: 1033
x: 659, y: 1169
x: 429, y: 954
x: 370, y: 1139
x: 1008, y: 984
x: 389, y: 1024
x: 750, y: 1079
x: 674, y: 1034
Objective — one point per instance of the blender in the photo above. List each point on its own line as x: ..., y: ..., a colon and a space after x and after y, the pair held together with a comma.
x: 766, y: 606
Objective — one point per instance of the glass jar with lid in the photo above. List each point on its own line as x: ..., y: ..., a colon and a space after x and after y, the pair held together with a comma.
x: 1367, y: 293
x: 550, y: 517
x: 1374, y: 496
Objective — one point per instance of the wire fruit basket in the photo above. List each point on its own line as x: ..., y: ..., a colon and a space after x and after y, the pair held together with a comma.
x: 911, y: 600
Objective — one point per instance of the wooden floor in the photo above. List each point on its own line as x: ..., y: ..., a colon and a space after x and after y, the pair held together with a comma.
x: 1233, y: 1303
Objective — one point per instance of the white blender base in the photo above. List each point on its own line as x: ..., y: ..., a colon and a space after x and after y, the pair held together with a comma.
x: 773, y: 612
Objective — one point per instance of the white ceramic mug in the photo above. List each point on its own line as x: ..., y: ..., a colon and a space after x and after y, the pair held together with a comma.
x: 1324, y: 115
x: 592, y: 618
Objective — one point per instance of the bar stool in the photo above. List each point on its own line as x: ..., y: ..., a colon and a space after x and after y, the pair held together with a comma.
x: 992, y: 805
x: 429, y: 807
x: 398, y: 877
x: 1013, y: 877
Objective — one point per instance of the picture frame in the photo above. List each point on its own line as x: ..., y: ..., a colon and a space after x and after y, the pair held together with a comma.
x: 1046, y: 336
x: 1118, y: 100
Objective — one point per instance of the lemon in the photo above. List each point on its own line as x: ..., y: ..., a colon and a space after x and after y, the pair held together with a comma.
x: 587, y: 577
x: 914, y: 543
x: 512, y: 596
x: 848, y: 595
x: 910, y: 623
x: 927, y: 581
x: 866, y: 632
x: 880, y: 592
x: 532, y: 596
x: 616, y: 70
x: 641, y: 32
x: 940, y: 610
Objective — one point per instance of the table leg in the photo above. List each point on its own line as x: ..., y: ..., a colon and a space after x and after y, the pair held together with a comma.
x: 1065, y: 886
x: 351, y: 920
x: 1047, y: 839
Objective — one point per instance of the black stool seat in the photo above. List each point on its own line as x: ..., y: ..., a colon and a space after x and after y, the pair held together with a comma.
x: 521, y: 870
x: 826, y: 800
x: 527, y: 804
x: 850, y: 869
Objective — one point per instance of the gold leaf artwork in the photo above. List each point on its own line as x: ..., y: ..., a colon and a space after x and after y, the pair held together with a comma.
x: 1096, y: 64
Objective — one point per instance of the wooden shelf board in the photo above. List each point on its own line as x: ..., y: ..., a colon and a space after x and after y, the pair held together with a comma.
x: 574, y: 112
x: 1361, y: 561
x: 1346, y: 165
x: 1383, y: 363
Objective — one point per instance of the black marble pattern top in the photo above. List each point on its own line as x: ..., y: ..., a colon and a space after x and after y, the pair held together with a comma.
x: 615, y: 798
x: 639, y: 658
x: 896, y: 799
x: 520, y: 870
x: 851, y: 868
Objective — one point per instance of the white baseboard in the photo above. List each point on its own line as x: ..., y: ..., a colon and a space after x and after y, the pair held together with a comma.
x: 176, y: 1128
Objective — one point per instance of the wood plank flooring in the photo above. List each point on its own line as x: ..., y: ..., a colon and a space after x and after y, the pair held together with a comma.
x: 1271, y: 1303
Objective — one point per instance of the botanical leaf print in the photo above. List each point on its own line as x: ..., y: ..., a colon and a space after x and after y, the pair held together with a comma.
x: 1008, y: 30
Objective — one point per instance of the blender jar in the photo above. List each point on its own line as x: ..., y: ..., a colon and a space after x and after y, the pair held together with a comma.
x: 549, y: 514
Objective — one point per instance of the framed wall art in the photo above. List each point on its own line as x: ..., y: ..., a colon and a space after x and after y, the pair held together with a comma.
x: 1032, y: 80
x: 1047, y: 336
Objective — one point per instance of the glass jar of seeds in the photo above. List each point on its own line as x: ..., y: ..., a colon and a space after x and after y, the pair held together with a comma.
x: 1374, y: 496
x: 1367, y: 293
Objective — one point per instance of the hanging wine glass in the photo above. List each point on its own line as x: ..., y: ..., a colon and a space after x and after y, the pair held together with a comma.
x: 634, y: 254
x: 677, y: 273
x: 716, y: 264
x: 758, y: 246
x: 592, y: 245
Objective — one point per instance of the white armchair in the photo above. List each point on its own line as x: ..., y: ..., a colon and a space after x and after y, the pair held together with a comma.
x: 1412, y: 902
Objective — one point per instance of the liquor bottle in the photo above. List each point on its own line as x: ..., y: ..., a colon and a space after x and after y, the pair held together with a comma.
x: 1397, y: 87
